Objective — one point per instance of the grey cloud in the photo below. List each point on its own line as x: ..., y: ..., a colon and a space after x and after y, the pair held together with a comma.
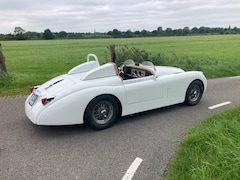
x: 105, y: 15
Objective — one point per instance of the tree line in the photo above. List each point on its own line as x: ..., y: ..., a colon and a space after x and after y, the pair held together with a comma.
x: 21, y: 34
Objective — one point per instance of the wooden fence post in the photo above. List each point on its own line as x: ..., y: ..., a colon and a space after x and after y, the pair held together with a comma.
x: 113, y: 53
x: 3, y: 68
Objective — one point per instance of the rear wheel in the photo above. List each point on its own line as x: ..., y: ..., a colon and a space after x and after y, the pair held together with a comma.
x: 101, y: 112
x: 194, y: 93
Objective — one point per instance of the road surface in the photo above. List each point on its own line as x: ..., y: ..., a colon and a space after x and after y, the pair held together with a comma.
x: 138, y: 146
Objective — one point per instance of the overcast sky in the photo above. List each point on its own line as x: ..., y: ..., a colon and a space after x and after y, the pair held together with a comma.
x: 106, y: 15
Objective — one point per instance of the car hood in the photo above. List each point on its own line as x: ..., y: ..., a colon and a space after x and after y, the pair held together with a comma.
x: 165, y: 70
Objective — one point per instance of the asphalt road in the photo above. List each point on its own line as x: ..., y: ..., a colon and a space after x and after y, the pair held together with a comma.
x: 28, y: 151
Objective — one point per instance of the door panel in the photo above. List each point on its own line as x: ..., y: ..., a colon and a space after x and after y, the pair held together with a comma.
x: 143, y: 89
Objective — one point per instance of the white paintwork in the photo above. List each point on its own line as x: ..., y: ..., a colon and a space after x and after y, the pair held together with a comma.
x: 87, y: 66
x: 73, y: 91
x: 105, y: 70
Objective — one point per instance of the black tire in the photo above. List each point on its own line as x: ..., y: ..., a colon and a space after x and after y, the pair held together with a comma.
x: 194, y: 93
x: 101, y: 112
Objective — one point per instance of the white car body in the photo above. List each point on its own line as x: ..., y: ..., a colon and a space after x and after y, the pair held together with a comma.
x: 68, y: 95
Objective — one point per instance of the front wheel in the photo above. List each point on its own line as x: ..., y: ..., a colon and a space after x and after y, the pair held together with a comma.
x: 194, y: 93
x: 101, y: 112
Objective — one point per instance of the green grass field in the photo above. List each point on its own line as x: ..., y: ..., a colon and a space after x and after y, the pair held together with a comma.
x: 33, y: 62
x: 210, y: 150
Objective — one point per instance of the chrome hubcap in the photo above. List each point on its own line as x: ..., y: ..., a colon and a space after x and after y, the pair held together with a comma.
x: 195, y: 93
x: 102, y: 112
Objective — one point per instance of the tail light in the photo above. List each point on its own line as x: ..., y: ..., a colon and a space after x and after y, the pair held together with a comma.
x: 46, y: 100
x: 31, y: 89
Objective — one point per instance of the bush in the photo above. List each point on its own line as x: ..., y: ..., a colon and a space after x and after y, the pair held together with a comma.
x: 5, y: 79
x: 211, y: 68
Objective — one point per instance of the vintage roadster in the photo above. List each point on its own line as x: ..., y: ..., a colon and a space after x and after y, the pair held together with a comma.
x: 99, y: 94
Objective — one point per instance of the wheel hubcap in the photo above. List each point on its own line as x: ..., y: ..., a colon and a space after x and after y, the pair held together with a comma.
x: 195, y: 93
x: 102, y: 112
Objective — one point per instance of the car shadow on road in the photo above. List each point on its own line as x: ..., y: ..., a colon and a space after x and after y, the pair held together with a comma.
x: 56, y: 131
x: 122, y: 122
x: 146, y: 115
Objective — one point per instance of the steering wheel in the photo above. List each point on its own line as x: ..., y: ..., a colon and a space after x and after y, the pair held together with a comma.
x: 123, y: 66
x: 122, y: 69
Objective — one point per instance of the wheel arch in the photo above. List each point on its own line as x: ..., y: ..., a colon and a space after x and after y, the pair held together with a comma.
x: 111, y: 95
x: 195, y: 81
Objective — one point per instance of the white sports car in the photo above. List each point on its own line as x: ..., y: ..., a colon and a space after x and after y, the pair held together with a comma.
x: 98, y: 94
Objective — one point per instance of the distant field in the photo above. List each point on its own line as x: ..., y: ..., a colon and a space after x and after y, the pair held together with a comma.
x: 33, y: 62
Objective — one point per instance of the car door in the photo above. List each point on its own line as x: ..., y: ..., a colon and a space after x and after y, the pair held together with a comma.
x: 143, y: 89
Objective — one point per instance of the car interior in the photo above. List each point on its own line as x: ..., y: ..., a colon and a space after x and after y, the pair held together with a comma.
x: 131, y: 70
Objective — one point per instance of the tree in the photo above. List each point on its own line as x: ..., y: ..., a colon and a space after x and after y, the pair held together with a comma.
x: 194, y: 30
x: 19, y: 33
x: 178, y: 32
x: 137, y: 33
x: 47, y: 34
x: 33, y: 35
x: 3, y: 68
x: 169, y: 31
x: 116, y: 33
x: 18, y: 30
x: 155, y: 33
x: 62, y: 34
x: 160, y: 30
x: 236, y: 30
x: 202, y: 30
x: 128, y: 34
x: 186, y: 30
x: 144, y: 33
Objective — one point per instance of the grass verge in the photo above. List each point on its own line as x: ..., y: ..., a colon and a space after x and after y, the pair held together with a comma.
x: 211, y: 150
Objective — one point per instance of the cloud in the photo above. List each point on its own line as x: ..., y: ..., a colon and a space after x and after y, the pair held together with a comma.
x: 106, y: 15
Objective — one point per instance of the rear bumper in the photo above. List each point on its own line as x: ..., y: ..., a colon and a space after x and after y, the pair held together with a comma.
x: 30, y: 113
